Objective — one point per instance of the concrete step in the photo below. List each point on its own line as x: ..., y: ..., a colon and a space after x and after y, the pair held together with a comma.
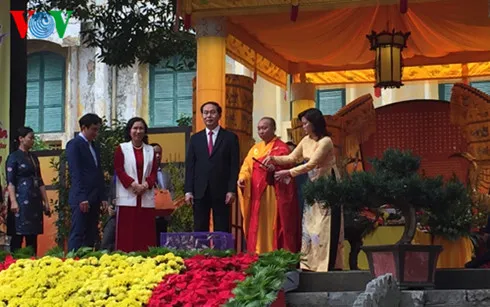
x: 343, y: 281
x: 321, y: 299
x: 428, y: 298
x: 439, y: 298
x: 336, y: 281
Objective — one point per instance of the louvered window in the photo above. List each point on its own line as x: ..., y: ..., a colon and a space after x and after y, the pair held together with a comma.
x: 330, y: 101
x: 45, y: 92
x: 170, y: 92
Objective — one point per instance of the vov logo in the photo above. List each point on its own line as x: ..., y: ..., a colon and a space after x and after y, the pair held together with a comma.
x: 41, y: 24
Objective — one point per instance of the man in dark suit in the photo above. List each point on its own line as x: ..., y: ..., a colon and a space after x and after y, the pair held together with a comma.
x: 211, y: 171
x: 87, y: 190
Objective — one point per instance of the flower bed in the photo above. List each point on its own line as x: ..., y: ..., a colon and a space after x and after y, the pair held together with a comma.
x: 155, y: 278
x: 111, y: 280
x: 207, y: 282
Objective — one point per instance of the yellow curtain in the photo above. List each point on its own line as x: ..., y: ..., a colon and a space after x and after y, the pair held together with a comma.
x: 411, y: 73
x: 333, y: 45
x: 454, y: 254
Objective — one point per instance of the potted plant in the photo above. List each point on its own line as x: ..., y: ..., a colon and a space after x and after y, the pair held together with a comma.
x: 393, y: 180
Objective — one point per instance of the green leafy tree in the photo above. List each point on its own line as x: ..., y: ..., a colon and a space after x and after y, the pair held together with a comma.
x: 127, y: 31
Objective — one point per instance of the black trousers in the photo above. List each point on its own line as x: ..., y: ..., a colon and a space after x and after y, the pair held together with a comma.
x: 16, y: 242
x: 161, y: 225
x: 221, y: 212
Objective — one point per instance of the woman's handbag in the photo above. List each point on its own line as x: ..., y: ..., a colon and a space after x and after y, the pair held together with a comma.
x: 163, y: 200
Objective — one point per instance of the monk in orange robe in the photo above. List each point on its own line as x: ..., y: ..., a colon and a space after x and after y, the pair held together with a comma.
x: 271, y: 217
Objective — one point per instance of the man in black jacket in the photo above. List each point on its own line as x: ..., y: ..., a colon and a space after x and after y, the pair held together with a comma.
x: 211, y: 171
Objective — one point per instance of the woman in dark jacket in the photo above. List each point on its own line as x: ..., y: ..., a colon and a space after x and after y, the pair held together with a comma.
x: 27, y: 194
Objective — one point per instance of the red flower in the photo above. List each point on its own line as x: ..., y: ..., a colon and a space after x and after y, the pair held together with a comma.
x: 208, y: 281
x: 9, y: 260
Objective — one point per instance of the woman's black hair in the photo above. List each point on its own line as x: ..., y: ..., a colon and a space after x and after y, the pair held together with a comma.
x: 23, y: 132
x: 315, y: 117
x: 130, y: 124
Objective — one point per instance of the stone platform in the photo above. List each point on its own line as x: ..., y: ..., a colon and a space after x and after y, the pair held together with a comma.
x: 454, y: 287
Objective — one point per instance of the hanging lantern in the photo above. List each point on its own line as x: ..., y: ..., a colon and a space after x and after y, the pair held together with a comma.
x: 388, y: 62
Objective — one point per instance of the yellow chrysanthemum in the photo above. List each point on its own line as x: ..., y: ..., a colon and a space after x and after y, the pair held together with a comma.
x: 112, y: 280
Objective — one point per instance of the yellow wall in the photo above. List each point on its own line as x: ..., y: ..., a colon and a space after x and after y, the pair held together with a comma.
x: 47, y: 240
x: 47, y: 172
x: 173, y: 145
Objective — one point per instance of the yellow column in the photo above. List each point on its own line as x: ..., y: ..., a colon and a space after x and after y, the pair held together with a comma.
x: 303, y: 96
x: 211, y: 65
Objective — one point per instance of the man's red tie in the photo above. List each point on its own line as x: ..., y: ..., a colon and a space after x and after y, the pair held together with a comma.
x: 210, y: 142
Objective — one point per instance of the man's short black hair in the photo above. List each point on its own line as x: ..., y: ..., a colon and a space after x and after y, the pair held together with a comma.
x: 155, y: 144
x: 218, y: 107
x: 88, y: 120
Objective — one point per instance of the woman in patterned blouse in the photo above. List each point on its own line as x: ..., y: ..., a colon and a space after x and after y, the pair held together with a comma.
x: 27, y: 194
x: 323, y: 234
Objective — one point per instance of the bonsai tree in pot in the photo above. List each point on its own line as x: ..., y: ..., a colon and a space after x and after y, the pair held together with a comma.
x: 393, y: 180
x: 450, y: 213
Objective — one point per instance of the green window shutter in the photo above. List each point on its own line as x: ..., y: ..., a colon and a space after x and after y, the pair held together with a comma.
x: 32, y: 118
x: 34, y: 68
x: 170, y: 92
x: 33, y: 100
x: 445, y: 91
x: 330, y: 101
x: 45, y: 92
x: 163, y: 100
x: 184, y: 93
x: 33, y: 94
x: 483, y: 86
x: 54, y: 66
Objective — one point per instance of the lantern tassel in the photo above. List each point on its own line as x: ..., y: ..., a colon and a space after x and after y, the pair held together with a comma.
x: 377, y: 91
x: 294, y: 9
x: 403, y: 6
